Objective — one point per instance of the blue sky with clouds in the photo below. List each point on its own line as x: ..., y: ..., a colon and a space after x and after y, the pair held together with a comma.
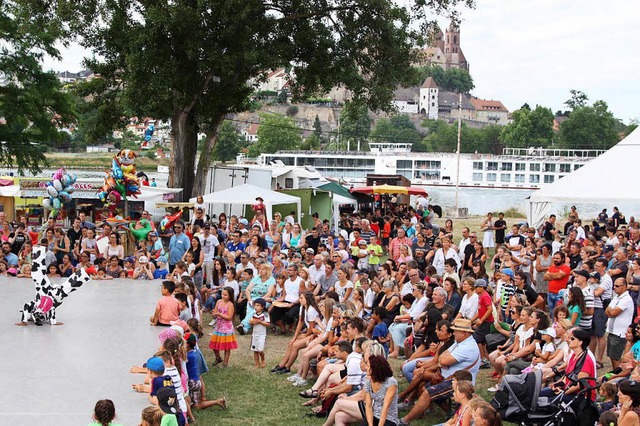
x: 535, y: 51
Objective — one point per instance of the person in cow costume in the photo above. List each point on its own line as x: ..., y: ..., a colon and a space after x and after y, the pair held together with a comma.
x: 49, y: 297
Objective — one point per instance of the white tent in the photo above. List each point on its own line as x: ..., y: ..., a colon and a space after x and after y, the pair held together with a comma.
x: 607, y: 178
x: 339, y: 200
x: 246, y: 194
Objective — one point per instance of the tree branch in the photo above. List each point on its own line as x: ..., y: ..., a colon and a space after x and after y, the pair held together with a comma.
x: 196, y: 96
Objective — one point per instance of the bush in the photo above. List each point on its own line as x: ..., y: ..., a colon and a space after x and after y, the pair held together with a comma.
x: 292, y: 110
x: 515, y: 213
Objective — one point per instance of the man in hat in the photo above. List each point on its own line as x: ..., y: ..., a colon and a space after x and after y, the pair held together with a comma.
x: 581, y: 278
x: 462, y: 355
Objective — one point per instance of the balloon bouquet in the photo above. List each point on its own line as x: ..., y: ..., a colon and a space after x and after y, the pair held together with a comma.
x: 59, y: 190
x: 121, y: 181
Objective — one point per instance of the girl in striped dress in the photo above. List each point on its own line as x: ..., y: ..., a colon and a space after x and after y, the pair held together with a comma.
x: 224, y: 337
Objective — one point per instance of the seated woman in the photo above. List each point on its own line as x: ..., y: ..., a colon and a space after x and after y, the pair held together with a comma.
x: 504, y: 349
x: 629, y: 397
x: 352, y: 408
x: 423, y: 352
x: 630, y: 356
x: 398, y: 329
x: 307, y: 330
x: 582, y: 364
x: 558, y: 362
x: 424, y: 370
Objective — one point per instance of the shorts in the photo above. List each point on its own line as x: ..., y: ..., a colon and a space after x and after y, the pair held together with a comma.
x: 195, y: 391
x: 599, y: 324
x: 440, y: 392
x: 257, y: 343
x: 480, y: 335
x: 615, y: 346
x: 376, y: 421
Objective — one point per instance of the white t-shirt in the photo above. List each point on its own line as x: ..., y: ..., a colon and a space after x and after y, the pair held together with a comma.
x: 234, y: 285
x: 209, y: 245
x: 292, y: 288
x: 343, y: 290
x: 417, y: 307
x: 315, y: 273
x: 618, y: 325
x: 310, y: 314
x: 369, y: 297
x: 524, y: 335
x: 469, y: 306
x: 606, y: 284
x: 355, y: 375
x: 406, y: 289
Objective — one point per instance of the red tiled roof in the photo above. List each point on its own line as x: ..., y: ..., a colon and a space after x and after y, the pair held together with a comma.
x: 488, y: 105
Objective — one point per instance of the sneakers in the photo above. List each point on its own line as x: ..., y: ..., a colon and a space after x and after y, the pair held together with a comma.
x: 406, y: 405
x: 283, y: 370
x: 294, y: 378
x: 213, y: 322
x: 300, y: 382
x: 494, y: 388
x: 485, y: 364
x: 276, y: 369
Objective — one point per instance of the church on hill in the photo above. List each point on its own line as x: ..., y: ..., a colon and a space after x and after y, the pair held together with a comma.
x: 444, y: 49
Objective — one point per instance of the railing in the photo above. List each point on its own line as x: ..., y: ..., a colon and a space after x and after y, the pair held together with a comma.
x: 551, y: 152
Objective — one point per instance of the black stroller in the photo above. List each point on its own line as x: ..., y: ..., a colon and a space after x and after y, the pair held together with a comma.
x: 519, y: 401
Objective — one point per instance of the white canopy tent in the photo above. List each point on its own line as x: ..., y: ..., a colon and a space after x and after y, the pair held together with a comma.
x: 246, y: 194
x: 340, y: 200
x: 607, y: 178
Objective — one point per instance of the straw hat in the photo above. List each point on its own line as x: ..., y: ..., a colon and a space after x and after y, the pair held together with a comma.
x: 462, y: 324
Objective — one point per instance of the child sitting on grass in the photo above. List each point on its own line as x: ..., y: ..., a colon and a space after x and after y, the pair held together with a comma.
x: 198, y: 397
x: 167, y: 308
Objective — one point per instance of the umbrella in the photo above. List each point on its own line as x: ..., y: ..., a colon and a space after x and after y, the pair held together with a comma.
x: 390, y: 189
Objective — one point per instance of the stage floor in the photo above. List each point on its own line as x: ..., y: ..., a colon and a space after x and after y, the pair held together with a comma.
x: 53, y: 375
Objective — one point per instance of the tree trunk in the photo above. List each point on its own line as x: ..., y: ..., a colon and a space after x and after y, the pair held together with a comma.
x: 184, y: 143
x: 204, y: 162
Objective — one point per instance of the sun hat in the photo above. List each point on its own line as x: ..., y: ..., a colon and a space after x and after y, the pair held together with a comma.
x: 462, y: 324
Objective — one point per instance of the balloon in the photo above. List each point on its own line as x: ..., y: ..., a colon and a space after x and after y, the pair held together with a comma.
x: 54, y: 213
x: 141, y: 233
x: 56, y: 204
x: 116, y: 170
x: 46, y: 203
x: 69, y: 189
x: 168, y: 220
x: 64, y: 197
x: 53, y: 192
x: 57, y: 185
x: 59, y: 173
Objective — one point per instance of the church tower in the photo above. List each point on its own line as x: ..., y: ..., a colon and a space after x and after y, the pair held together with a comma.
x: 452, y: 39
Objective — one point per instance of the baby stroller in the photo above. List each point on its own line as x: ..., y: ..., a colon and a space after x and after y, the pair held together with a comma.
x: 519, y: 401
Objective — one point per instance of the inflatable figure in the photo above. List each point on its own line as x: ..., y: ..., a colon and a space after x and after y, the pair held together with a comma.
x: 141, y: 229
x: 48, y: 296
x: 148, y: 134
x: 59, y: 191
x: 169, y: 220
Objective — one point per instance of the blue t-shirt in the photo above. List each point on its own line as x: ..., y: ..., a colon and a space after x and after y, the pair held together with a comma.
x: 468, y: 356
x: 235, y: 247
x: 160, y: 274
x: 192, y: 365
x: 635, y: 350
x: 178, y: 246
x: 381, y: 330
x: 160, y: 382
x: 11, y: 259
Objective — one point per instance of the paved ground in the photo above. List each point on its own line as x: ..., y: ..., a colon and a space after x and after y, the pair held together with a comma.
x: 53, y: 375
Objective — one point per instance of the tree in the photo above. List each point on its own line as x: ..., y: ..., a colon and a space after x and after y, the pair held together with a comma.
x: 311, y: 143
x: 443, y: 137
x: 578, y: 99
x: 162, y: 58
x: 275, y: 132
x: 33, y: 105
x: 399, y: 128
x: 317, y: 128
x: 455, y: 79
x: 529, y: 128
x: 355, y: 126
x: 229, y: 143
x: 589, y: 127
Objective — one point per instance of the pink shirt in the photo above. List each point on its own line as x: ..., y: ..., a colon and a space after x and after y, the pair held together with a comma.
x: 169, y: 309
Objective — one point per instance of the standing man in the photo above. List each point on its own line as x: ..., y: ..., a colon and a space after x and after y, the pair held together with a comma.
x: 499, y: 226
x: 557, y: 275
x: 464, y: 242
x: 602, y: 293
x: 620, y: 313
x: 549, y: 231
x: 581, y: 278
x: 515, y: 241
x: 209, y: 245
x: 178, y: 245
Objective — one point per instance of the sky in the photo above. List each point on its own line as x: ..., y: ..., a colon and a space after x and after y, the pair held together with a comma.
x: 536, y: 51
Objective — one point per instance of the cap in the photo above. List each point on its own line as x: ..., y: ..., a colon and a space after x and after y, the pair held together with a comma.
x: 207, y: 226
x: 549, y: 331
x: 428, y: 226
x: 508, y: 271
x: 480, y: 283
x: 190, y: 338
x: 244, y: 221
x: 310, y: 251
x: 607, y: 249
x: 259, y: 199
x: 155, y: 364
x: 362, y: 241
x: 167, y: 400
x: 364, y: 271
x: 582, y: 273
x: 153, y: 234
x: 128, y: 259
x: 143, y: 259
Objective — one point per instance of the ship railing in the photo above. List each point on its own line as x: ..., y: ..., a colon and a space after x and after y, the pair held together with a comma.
x: 552, y: 152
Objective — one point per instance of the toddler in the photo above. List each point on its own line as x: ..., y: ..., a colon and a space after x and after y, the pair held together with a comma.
x: 260, y: 322
x: 198, y: 398
x: 542, y: 355
x: 607, y: 393
x: 104, y: 413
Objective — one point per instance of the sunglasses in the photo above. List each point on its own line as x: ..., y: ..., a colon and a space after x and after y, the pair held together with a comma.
x: 618, y: 285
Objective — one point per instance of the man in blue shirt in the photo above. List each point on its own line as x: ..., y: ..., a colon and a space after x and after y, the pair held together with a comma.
x: 178, y: 245
x: 235, y: 245
x: 10, y: 258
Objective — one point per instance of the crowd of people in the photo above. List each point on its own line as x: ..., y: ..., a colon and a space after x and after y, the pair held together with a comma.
x: 393, y: 283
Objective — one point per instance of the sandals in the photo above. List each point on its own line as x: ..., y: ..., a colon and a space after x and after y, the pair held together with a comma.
x: 216, y: 362
x: 599, y: 364
x: 309, y: 393
x: 224, y: 402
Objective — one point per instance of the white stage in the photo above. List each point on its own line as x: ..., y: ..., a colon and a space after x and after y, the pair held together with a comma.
x: 53, y: 375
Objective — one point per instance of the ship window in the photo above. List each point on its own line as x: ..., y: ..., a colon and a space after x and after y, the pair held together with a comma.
x: 549, y: 178
x: 576, y: 166
x: 550, y: 167
x: 534, y: 178
x: 403, y: 164
x: 534, y: 167
x: 288, y: 182
x: 492, y: 165
x: 507, y: 167
x: 520, y: 167
x: 519, y: 178
x: 492, y: 177
x: 565, y: 168
x: 477, y: 177
x: 505, y: 177
x: 477, y: 165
